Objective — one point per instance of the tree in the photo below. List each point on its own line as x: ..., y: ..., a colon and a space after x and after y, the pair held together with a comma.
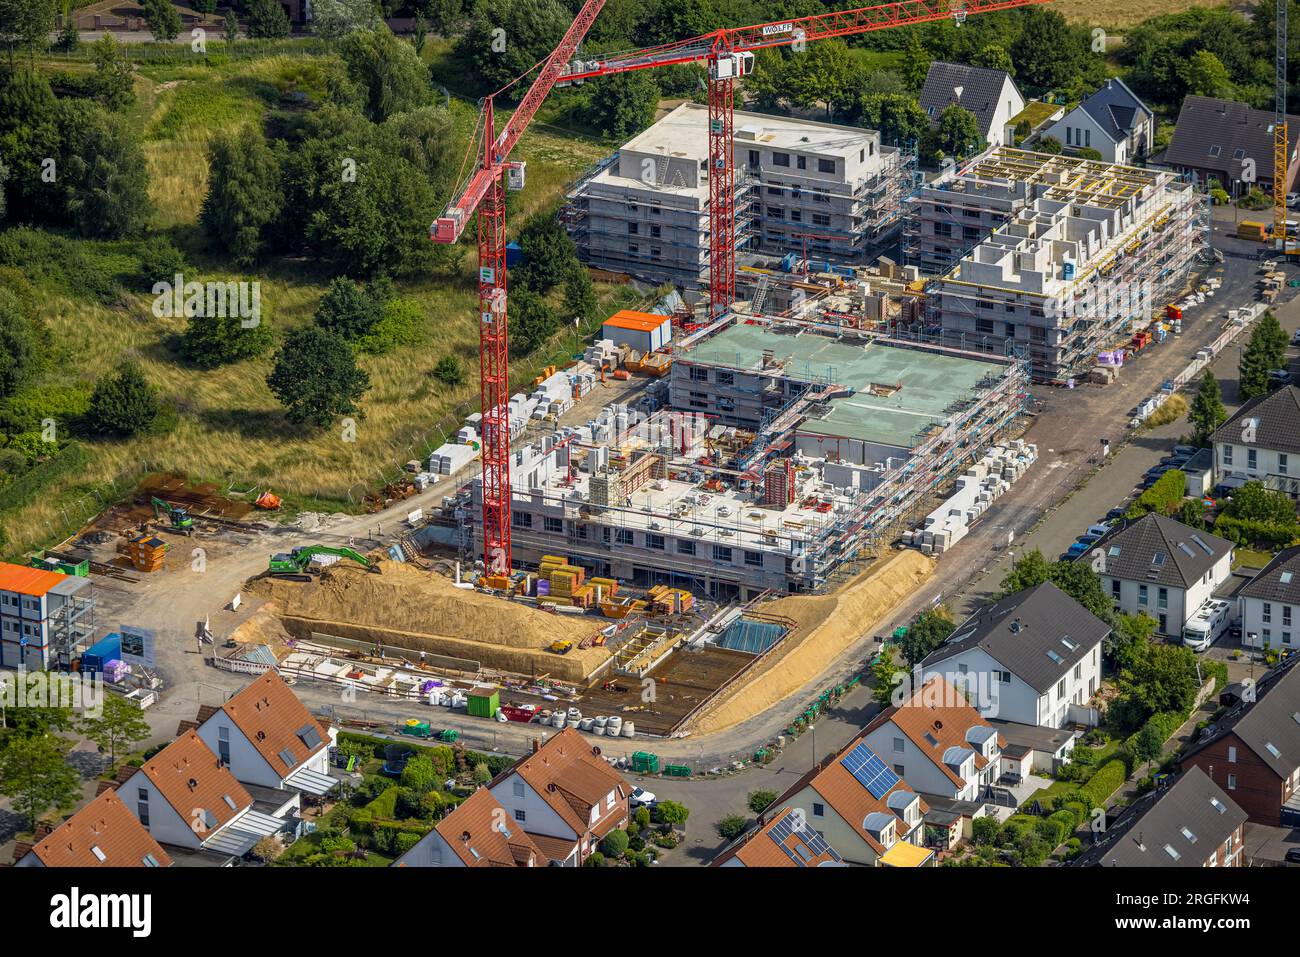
x: 1046, y: 53
x: 730, y: 827
x: 1192, y: 513
x: 449, y: 371
x: 350, y: 311
x: 1076, y: 579
x: 420, y: 31
x: 916, y: 60
x: 212, y: 341
x: 533, y: 318
x: 549, y: 254
x: 27, y: 23
x: 959, y: 132
x: 107, y: 181
x: 35, y: 776
x: 420, y: 776
x: 21, y: 339
x: 1207, y: 412
x: 624, y: 103
x: 1204, y: 74
x: 373, y: 223
x: 160, y: 261
x: 1050, y: 144
x: 69, y: 40
x: 898, y: 117
x: 821, y: 74
x: 163, y: 19
x: 1255, y: 502
x: 1157, y: 678
x: 230, y: 28
x: 1256, y: 360
x: 389, y: 73
x: 119, y: 725
x: 579, y: 295
x: 315, y: 377
x: 244, y: 195
x: 930, y: 630
x: 123, y: 403
x: 482, y: 773
x: 267, y: 20
x: 114, y: 81
x: 1130, y: 637
x: 885, y: 675
x: 336, y: 18
x: 672, y: 813
x: 995, y: 57
x: 1148, y: 745
x: 507, y: 37
x: 760, y: 800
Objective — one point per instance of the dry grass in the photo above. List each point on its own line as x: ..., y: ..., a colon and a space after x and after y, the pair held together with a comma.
x: 1123, y: 13
x: 231, y: 429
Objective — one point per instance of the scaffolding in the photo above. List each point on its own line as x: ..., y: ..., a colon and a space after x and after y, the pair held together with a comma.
x: 1072, y: 311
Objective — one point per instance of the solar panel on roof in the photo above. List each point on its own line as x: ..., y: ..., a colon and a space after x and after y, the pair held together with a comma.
x: 871, y: 772
x: 810, y: 844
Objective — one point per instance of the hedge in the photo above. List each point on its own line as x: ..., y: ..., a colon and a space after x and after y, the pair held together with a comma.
x: 384, y: 806
x: 1108, y: 779
x: 1245, y: 531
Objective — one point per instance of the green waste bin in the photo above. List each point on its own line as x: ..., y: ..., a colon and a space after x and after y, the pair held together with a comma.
x: 644, y: 762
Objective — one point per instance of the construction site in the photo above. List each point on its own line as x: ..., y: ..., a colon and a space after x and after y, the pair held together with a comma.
x: 696, y: 516
x: 800, y: 186
x: 1059, y: 259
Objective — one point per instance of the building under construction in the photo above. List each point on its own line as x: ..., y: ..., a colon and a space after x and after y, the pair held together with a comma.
x: 818, y: 189
x: 1054, y: 258
x: 789, y: 448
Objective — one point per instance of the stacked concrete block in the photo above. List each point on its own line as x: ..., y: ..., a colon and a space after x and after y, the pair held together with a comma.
x: 977, y: 489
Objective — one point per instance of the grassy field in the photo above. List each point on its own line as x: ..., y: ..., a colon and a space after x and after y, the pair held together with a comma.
x: 1123, y: 13
x: 230, y: 428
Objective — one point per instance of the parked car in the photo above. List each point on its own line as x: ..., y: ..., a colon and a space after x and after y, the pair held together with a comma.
x: 1101, y: 529
x: 1293, y: 856
x: 1077, y: 549
x: 1278, y: 378
x: 1116, y: 514
x: 1292, y: 200
x: 641, y: 797
x: 1187, y: 450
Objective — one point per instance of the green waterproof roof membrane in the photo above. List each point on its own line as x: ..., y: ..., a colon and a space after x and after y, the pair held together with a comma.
x: 931, y: 382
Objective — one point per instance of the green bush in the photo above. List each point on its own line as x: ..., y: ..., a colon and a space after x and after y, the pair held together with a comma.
x: 731, y: 827
x: 759, y: 801
x: 594, y: 859
x: 615, y: 844
x: 1067, y: 818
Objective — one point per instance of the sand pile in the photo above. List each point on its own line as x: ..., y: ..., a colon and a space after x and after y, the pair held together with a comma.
x: 409, y: 608
x: 264, y: 627
x: 828, y: 625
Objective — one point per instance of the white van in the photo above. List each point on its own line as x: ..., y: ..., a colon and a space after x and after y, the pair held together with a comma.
x: 1207, y: 625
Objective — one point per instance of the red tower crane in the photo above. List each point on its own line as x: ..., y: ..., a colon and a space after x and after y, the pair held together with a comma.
x: 729, y: 55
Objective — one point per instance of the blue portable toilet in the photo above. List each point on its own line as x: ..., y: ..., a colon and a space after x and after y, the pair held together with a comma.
x: 514, y: 254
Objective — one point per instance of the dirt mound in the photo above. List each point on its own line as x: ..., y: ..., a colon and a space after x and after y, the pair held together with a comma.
x: 409, y: 608
x: 264, y: 627
x: 828, y: 625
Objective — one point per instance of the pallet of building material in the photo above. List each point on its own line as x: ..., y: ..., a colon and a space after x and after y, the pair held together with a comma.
x: 608, y: 586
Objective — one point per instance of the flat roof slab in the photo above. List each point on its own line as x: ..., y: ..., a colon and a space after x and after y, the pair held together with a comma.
x: 931, y: 382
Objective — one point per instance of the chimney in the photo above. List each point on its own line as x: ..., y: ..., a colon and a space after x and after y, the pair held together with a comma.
x: 537, y: 745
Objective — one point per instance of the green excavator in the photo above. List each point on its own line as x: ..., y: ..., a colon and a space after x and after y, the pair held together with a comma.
x: 296, y: 565
x: 178, y: 520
